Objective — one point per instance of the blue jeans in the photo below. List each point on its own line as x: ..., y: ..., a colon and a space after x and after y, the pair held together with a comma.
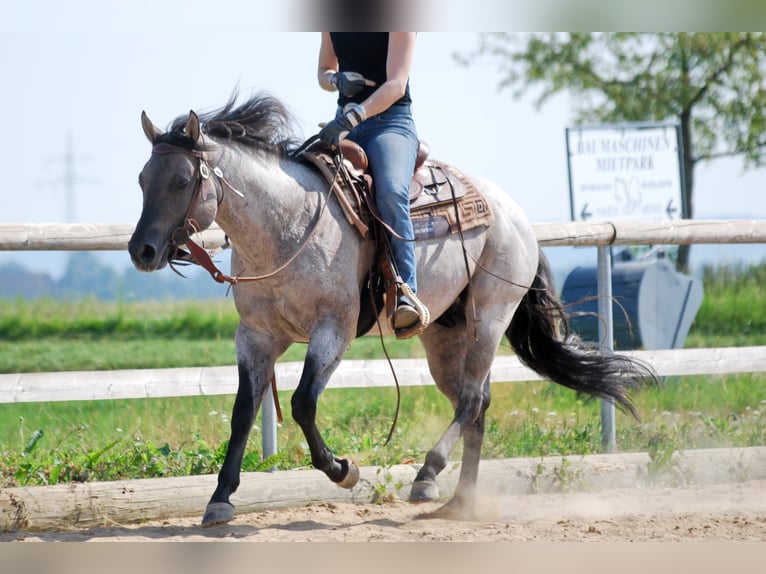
x: 391, y: 142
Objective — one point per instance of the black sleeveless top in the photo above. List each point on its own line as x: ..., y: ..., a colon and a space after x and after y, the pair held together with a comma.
x: 365, y: 53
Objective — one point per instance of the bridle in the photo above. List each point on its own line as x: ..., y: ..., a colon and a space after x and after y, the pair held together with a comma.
x: 203, y: 188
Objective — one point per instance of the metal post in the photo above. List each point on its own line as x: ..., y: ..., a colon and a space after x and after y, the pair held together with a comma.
x: 268, y: 424
x: 606, y: 338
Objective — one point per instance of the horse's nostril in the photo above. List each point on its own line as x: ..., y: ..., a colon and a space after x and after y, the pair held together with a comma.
x: 148, y: 253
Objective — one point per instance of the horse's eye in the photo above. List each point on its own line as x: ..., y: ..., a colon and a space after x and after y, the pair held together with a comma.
x: 181, y: 182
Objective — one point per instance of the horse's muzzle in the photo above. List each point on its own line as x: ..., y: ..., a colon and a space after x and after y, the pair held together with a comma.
x: 148, y: 256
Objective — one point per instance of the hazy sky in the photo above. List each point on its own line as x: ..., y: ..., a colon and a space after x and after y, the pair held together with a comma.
x: 84, y: 71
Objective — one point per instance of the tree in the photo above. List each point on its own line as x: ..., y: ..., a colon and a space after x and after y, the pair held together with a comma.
x: 712, y: 84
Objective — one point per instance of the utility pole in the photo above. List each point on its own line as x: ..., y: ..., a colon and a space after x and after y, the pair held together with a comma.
x: 70, y: 181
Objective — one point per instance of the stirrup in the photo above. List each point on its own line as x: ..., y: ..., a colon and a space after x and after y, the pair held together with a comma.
x: 423, y: 315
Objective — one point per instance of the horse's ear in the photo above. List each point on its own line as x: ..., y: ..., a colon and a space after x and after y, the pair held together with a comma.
x: 152, y: 132
x: 192, y: 126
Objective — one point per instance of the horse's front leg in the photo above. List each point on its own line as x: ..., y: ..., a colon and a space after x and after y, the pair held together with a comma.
x: 324, y: 353
x: 255, y: 358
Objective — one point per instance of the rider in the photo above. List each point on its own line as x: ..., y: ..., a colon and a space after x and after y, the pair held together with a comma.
x: 371, y: 73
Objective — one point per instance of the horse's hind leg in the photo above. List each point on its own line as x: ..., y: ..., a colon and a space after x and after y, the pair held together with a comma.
x: 256, y: 366
x: 461, y: 371
x: 468, y: 423
x: 462, y: 502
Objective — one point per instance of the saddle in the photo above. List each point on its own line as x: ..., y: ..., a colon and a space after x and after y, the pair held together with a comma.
x: 442, y: 201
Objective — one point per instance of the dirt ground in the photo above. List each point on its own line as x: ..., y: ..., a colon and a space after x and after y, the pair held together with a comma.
x: 719, y: 512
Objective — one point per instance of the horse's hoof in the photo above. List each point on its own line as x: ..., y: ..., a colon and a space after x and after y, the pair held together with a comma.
x: 424, y: 491
x: 352, y: 476
x: 217, y: 513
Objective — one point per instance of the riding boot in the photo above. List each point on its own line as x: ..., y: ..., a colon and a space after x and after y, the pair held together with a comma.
x: 411, y: 316
x: 407, y: 315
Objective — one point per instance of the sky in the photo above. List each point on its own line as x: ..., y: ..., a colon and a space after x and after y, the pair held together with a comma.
x: 76, y: 76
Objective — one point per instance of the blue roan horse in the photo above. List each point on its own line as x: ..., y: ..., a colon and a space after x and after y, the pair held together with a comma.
x: 235, y: 166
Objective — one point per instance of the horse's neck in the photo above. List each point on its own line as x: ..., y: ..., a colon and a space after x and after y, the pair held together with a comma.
x: 280, y: 200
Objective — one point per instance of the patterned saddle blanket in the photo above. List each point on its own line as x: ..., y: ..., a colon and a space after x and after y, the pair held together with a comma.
x: 443, y: 200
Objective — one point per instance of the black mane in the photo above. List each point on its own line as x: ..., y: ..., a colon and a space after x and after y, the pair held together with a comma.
x: 261, y: 122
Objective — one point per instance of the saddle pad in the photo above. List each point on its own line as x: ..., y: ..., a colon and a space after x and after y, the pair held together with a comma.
x: 441, y: 219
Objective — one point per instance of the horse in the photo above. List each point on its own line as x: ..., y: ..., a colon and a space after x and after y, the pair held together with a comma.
x: 237, y: 166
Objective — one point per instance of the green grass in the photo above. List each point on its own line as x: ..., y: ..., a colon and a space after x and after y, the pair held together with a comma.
x: 105, y: 440
x: 46, y: 335
x: 91, y: 319
x: 48, y: 443
x: 733, y: 309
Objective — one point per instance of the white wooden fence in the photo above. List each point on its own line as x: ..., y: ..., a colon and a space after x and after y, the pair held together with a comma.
x: 144, y: 383
x: 198, y: 381
x: 114, y: 237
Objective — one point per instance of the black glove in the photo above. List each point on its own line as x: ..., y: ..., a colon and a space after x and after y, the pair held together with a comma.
x: 338, y: 128
x: 350, y: 83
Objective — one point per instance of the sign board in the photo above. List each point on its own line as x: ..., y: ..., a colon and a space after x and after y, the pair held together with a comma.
x: 626, y: 172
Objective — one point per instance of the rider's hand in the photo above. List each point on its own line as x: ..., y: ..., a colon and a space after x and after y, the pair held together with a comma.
x: 338, y: 128
x: 350, y: 83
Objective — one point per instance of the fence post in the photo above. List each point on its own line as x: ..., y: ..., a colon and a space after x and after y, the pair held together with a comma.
x: 606, y: 338
x: 268, y: 424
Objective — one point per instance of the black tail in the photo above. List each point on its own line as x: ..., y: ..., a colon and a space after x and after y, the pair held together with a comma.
x: 539, y: 335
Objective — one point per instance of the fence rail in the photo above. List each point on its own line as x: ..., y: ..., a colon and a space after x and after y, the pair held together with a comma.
x: 114, y: 237
x: 199, y: 381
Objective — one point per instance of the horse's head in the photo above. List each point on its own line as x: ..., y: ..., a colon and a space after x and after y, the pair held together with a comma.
x: 180, y: 196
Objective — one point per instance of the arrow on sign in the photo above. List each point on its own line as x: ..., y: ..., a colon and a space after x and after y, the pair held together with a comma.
x: 585, y: 214
x: 670, y: 210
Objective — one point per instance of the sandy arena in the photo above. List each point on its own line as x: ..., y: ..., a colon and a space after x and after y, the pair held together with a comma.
x: 730, y: 511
